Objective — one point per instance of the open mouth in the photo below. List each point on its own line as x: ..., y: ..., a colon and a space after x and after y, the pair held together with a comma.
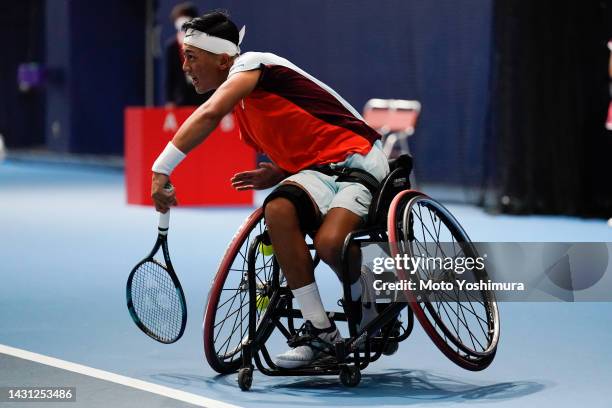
x: 193, y: 79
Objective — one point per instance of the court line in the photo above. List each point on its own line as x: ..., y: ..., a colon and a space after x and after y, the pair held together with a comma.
x: 116, y: 378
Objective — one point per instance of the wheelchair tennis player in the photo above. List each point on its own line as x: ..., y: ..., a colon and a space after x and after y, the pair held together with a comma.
x: 325, y: 159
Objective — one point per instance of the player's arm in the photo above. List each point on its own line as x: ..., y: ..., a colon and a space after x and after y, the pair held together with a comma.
x: 196, y: 129
x: 205, y: 119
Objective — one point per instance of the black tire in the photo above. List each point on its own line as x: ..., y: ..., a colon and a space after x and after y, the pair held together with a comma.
x: 245, y: 378
x: 391, y: 348
x: 396, y: 332
x: 350, y: 376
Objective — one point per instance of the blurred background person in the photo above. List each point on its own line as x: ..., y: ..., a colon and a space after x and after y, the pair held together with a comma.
x: 179, y: 89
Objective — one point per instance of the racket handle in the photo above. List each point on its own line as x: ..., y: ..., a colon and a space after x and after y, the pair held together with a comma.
x: 164, y: 222
x: 164, y: 219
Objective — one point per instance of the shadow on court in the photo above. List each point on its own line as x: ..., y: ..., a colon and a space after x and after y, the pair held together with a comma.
x: 397, y: 387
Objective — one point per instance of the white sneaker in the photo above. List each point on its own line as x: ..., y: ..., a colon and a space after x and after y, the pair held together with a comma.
x: 313, y: 343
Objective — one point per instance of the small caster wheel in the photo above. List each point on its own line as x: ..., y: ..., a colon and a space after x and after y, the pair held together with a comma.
x: 390, y: 348
x: 350, y: 376
x: 245, y: 378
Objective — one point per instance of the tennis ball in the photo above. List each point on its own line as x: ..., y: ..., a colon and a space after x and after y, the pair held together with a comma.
x: 262, y: 302
x: 266, y: 250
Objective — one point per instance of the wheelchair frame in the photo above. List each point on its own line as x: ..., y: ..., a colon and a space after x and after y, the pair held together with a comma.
x: 362, y: 347
x: 280, y: 306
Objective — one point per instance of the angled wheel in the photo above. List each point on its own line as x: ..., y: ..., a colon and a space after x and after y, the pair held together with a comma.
x: 350, y: 376
x: 245, y: 378
x: 464, y: 326
x: 226, y: 316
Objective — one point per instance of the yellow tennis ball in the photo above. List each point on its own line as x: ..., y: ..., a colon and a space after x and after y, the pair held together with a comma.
x: 262, y: 302
x: 266, y: 250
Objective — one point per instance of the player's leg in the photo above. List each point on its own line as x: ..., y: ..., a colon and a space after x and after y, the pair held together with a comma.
x: 355, y: 198
x: 289, y: 210
x: 329, y: 240
x: 350, y: 206
x: 287, y: 238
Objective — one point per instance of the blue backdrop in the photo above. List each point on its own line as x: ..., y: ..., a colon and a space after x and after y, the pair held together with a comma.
x: 436, y: 52
x: 95, y: 54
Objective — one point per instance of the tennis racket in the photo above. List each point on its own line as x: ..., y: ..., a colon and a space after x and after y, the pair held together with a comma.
x: 154, y: 294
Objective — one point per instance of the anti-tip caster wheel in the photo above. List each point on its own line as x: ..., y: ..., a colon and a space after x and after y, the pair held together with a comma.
x: 350, y: 376
x: 245, y: 378
x: 390, y: 348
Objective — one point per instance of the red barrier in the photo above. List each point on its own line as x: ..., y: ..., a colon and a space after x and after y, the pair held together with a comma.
x: 203, y: 178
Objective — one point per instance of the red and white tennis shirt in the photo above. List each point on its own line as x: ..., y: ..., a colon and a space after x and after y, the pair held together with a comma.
x: 295, y: 119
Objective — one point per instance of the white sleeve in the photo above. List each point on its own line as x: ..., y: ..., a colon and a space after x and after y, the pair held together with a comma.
x: 247, y: 62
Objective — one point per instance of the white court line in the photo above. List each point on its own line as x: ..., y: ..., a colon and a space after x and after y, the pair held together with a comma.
x: 116, y: 378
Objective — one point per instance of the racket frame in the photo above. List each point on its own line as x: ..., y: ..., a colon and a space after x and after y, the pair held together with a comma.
x: 161, y: 242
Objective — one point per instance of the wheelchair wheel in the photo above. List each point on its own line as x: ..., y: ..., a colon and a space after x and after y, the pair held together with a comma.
x: 464, y: 326
x: 226, y: 318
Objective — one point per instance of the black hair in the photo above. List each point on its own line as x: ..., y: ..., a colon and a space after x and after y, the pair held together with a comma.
x: 185, y: 9
x: 217, y: 23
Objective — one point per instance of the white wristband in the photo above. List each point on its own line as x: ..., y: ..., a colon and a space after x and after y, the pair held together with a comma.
x: 168, y: 159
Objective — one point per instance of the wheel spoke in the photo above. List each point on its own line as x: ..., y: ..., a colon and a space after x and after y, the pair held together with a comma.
x: 228, y: 342
x: 464, y: 320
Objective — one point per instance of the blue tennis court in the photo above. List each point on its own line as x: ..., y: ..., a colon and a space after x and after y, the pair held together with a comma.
x: 500, y: 111
x: 70, y: 240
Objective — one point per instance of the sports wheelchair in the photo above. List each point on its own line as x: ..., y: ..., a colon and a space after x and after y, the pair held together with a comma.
x: 250, y: 300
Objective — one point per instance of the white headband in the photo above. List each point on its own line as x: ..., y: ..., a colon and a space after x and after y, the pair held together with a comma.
x: 213, y: 44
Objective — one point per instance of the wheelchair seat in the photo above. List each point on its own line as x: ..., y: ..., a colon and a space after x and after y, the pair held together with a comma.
x: 397, y: 180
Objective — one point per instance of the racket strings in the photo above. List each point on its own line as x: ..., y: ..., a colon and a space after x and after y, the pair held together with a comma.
x: 156, y: 301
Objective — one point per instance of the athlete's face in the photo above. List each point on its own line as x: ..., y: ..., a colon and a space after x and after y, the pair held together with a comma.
x: 207, y: 70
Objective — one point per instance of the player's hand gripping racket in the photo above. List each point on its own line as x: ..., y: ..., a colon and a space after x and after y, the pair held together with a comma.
x: 154, y: 294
